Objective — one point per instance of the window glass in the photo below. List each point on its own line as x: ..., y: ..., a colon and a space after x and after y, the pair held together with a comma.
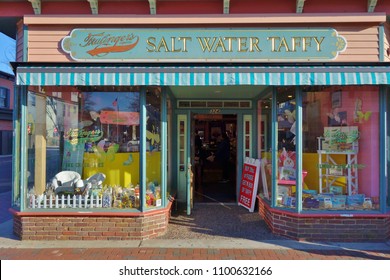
x: 83, y: 147
x: 153, y: 147
x: 4, y: 93
x: 286, y: 156
x: 340, y: 138
x: 264, y: 144
x: 388, y: 148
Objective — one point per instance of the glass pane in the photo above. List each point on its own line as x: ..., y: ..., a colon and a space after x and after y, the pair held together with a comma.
x: 153, y: 146
x: 247, y: 128
x: 286, y: 170
x: 264, y: 145
x: 83, y: 148
x: 340, y: 148
x: 388, y: 148
x: 247, y: 142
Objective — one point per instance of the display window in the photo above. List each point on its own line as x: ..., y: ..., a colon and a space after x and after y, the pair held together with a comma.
x: 340, y: 143
x: 340, y: 135
x: 84, y: 148
x: 153, y: 148
x: 286, y: 141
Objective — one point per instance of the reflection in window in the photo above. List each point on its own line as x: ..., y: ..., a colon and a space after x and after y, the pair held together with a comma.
x: 153, y: 147
x: 340, y: 146
x: 83, y: 147
x: 286, y: 167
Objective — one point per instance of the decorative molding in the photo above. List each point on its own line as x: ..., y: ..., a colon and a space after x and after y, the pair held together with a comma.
x: 371, y: 4
x: 152, y: 6
x: 94, y: 4
x: 36, y: 5
x: 226, y: 6
x: 300, y: 4
x: 206, y: 19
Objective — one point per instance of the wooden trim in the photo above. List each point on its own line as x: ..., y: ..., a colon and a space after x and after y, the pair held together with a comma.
x: 206, y: 19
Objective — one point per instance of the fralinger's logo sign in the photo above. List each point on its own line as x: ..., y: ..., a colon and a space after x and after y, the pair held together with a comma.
x: 214, y: 44
x: 97, y: 44
x: 103, y: 43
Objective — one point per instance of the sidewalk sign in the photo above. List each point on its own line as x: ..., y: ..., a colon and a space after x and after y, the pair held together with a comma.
x: 249, y: 183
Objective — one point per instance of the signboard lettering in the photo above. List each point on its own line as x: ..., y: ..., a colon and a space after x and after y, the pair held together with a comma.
x: 249, y: 183
x: 233, y: 44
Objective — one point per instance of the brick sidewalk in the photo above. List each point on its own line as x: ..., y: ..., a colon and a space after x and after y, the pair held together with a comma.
x: 186, y: 254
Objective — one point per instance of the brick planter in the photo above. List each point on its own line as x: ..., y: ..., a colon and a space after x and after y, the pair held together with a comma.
x: 347, y: 227
x: 91, y: 226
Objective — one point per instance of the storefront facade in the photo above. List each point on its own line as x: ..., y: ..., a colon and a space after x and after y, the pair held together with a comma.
x: 106, y: 115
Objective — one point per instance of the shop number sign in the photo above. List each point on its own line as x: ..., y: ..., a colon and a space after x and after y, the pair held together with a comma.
x: 249, y: 183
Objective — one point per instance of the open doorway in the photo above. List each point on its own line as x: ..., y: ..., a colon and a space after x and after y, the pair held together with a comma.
x: 215, y: 157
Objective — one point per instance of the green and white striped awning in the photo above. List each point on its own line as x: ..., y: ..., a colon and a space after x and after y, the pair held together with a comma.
x: 202, y: 76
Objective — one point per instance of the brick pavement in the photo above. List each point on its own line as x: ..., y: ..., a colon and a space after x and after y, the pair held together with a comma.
x: 186, y: 254
x: 195, y: 248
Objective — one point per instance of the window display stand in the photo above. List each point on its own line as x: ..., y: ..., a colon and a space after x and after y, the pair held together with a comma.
x: 330, y: 170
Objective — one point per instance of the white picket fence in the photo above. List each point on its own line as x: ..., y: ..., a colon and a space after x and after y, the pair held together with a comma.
x: 66, y: 201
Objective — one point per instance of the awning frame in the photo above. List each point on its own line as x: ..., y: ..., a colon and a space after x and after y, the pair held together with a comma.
x: 201, y: 74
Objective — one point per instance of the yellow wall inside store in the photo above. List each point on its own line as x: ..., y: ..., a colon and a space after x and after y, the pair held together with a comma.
x: 310, y: 164
x: 122, y: 168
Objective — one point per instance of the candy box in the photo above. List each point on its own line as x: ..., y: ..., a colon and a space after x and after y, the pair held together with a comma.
x: 336, y: 190
x: 325, y: 200
x: 339, y: 201
x: 355, y: 200
x: 367, y: 204
x: 311, y: 202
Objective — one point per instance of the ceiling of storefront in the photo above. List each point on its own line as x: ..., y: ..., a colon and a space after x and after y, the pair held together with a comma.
x: 216, y: 92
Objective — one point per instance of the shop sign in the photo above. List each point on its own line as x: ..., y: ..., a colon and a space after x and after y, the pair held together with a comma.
x: 191, y: 44
x: 80, y: 136
x: 249, y: 183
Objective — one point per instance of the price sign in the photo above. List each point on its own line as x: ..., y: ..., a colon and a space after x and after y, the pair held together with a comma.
x: 249, y: 183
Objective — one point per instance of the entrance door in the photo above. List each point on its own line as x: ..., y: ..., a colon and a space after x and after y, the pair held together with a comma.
x: 214, y: 176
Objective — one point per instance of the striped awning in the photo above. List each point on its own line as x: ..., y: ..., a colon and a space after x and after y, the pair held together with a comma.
x: 202, y: 76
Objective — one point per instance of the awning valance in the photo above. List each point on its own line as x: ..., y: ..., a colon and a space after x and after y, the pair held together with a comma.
x: 202, y: 75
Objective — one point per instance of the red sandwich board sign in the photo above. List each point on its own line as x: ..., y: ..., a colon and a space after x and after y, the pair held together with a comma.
x: 249, y: 183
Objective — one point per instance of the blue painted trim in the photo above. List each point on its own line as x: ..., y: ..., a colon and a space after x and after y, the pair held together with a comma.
x: 16, y: 187
x: 274, y: 147
x: 253, y: 132
x: 25, y: 45
x: 142, y: 183
x: 381, y: 31
x: 188, y: 162
x: 240, y: 148
x: 164, y: 149
x: 382, y: 147
x: 23, y: 149
x: 298, y: 148
x: 174, y: 152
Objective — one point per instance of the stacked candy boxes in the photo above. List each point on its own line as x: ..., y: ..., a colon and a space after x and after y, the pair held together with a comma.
x: 334, y: 201
x: 338, y: 201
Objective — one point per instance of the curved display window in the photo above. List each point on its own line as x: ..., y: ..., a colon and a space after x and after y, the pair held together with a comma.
x: 83, y: 148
